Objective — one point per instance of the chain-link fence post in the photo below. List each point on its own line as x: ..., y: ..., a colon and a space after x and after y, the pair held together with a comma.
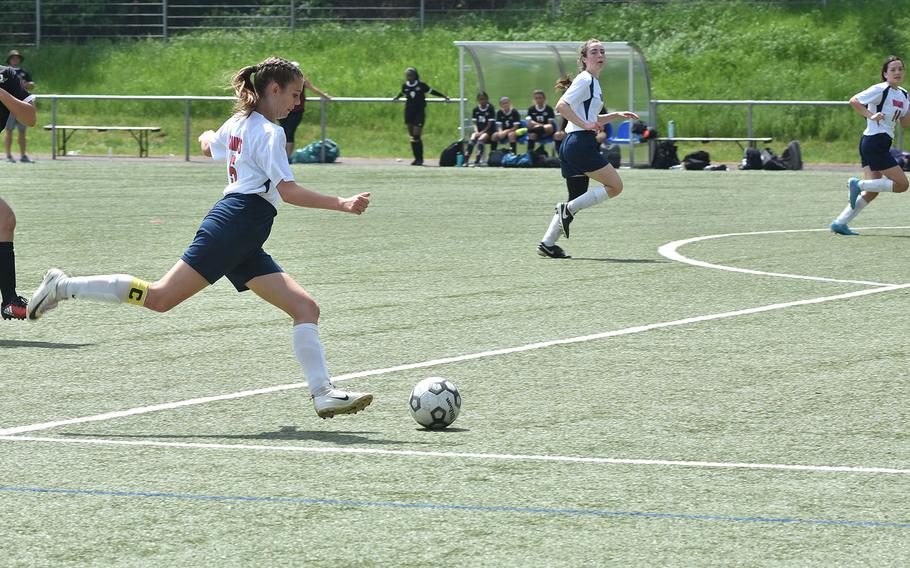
x: 293, y: 16
x: 38, y: 24
x: 422, y: 13
x: 164, y: 19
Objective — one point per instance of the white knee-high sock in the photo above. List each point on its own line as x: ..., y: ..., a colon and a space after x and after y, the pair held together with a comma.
x: 552, y: 234
x: 112, y: 288
x: 850, y: 213
x: 876, y: 185
x: 587, y: 199
x: 311, y: 356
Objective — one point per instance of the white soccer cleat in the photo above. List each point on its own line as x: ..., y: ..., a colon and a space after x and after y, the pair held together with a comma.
x: 337, y: 401
x: 47, y: 295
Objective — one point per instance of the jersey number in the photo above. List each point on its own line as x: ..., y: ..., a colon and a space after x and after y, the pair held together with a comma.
x: 232, y: 171
x: 897, y: 115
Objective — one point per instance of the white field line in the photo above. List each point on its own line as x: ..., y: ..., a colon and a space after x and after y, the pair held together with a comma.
x: 465, y: 455
x: 669, y: 250
x: 448, y: 360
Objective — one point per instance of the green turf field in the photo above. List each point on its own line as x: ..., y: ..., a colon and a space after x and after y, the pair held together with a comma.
x: 696, y: 416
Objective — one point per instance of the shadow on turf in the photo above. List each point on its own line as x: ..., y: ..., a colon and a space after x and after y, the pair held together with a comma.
x: 284, y: 433
x: 621, y: 260
x: 12, y: 343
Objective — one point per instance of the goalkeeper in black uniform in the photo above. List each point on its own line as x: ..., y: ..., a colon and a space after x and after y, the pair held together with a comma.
x: 15, y: 101
x: 415, y: 104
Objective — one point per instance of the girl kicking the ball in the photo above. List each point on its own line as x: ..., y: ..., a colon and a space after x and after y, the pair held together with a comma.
x: 229, y: 241
x: 882, y: 105
x: 579, y: 155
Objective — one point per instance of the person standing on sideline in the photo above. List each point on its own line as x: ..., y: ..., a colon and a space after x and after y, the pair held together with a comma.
x: 882, y: 105
x: 580, y: 156
x: 292, y: 120
x: 415, y: 93
x: 16, y: 102
x: 230, y: 239
x: 14, y: 61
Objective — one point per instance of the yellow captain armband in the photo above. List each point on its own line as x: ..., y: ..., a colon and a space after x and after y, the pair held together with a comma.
x: 139, y: 290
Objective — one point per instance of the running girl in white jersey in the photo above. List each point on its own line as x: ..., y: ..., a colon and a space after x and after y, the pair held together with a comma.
x: 883, y: 105
x: 580, y: 155
x: 229, y: 241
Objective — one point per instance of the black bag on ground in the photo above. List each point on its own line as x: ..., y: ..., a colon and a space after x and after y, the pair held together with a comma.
x: 771, y: 161
x: 697, y: 160
x: 751, y: 159
x: 792, y: 156
x: 495, y: 159
x: 612, y: 153
x: 665, y: 155
x: 449, y: 156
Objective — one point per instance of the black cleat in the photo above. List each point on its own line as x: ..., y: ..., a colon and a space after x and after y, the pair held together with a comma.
x: 417, y: 163
x: 565, y: 218
x: 552, y: 251
x: 15, y: 309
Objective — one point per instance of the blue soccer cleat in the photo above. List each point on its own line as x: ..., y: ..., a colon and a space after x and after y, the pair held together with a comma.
x: 853, y: 185
x: 841, y: 229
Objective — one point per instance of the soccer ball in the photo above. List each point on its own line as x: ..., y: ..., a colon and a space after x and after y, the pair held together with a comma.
x: 435, y: 403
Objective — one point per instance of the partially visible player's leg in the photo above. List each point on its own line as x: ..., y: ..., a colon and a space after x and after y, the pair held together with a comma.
x: 13, y: 306
x: 416, y: 143
x: 892, y: 179
x: 840, y: 224
x: 283, y: 292
x: 8, y: 141
x: 181, y: 282
x: 23, y: 157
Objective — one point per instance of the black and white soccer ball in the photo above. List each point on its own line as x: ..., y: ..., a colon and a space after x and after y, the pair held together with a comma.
x: 435, y: 403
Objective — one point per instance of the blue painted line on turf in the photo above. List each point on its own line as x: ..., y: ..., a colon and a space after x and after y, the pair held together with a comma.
x: 451, y: 507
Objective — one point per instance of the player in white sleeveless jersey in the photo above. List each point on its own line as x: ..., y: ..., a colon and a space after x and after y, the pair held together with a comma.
x: 229, y: 241
x: 882, y: 105
x: 579, y: 155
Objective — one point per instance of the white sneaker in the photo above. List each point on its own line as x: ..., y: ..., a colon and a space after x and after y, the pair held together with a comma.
x: 47, y: 295
x: 337, y: 401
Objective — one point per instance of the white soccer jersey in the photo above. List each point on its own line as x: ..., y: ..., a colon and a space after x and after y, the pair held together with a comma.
x: 253, y: 148
x: 894, y: 109
x: 585, y: 98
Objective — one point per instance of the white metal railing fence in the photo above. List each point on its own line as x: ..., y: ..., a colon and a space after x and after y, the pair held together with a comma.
x: 187, y: 103
x: 750, y: 106
x: 324, y: 104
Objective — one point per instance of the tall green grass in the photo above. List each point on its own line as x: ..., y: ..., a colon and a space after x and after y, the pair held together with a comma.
x: 707, y: 50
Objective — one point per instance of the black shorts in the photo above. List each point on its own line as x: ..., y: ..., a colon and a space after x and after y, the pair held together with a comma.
x: 875, y: 152
x: 290, y: 124
x: 229, y: 241
x: 580, y: 154
x: 414, y: 116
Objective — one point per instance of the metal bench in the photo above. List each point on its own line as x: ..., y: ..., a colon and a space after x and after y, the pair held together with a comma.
x: 140, y: 133
x: 753, y: 142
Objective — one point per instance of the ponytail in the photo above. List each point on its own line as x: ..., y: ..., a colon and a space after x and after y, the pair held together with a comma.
x: 563, y: 83
x: 250, y: 82
x: 247, y: 97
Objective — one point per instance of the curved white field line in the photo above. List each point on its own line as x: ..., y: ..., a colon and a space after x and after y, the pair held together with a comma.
x: 670, y: 251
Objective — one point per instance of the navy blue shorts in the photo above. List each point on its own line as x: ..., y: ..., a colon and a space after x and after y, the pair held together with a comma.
x: 229, y: 241
x: 875, y: 152
x: 415, y: 116
x: 580, y: 153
